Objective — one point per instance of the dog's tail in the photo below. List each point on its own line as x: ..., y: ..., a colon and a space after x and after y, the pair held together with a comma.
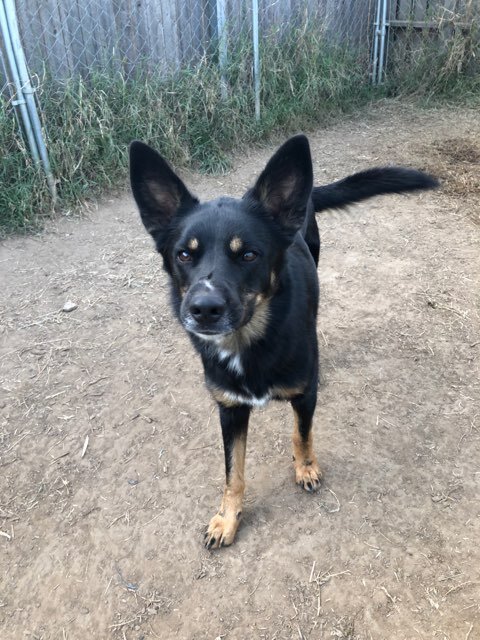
x: 372, y: 182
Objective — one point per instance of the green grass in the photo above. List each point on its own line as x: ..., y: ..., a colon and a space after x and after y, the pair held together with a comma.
x: 305, y: 82
x: 23, y: 189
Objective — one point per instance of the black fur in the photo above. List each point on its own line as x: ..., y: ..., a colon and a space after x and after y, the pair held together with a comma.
x: 244, y: 279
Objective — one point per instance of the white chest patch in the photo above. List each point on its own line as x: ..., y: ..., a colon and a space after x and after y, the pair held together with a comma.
x: 251, y: 401
x: 232, y: 361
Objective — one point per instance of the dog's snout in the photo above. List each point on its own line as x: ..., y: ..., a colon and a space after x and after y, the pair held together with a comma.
x: 207, y: 308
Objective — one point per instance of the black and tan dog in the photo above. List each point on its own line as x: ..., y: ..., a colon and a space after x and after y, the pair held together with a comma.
x: 244, y: 286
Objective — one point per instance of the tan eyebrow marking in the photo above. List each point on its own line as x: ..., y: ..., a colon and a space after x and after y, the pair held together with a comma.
x: 236, y: 244
x: 192, y: 244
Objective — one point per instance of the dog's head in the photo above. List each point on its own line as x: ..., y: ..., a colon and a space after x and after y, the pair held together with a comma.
x: 224, y: 255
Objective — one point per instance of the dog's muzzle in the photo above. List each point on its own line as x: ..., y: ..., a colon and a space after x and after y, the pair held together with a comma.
x: 206, y: 311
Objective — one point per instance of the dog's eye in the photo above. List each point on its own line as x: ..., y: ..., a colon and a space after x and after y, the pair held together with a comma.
x: 249, y: 256
x: 184, y: 256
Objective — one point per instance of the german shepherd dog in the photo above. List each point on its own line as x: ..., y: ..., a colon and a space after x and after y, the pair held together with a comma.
x: 244, y: 285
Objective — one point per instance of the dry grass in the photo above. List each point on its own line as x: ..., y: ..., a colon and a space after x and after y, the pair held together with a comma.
x: 456, y: 162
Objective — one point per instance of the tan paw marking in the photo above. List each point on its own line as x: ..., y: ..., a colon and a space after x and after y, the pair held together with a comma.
x: 221, y: 531
x: 308, y: 475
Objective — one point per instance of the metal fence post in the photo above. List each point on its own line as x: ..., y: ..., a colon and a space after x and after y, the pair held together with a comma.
x: 222, y: 45
x: 25, y: 92
x: 383, y: 35
x: 379, y: 43
x: 376, y: 35
x: 18, y: 102
x: 256, y: 58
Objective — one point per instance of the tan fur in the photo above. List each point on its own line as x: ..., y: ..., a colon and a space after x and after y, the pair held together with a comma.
x: 304, y: 459
x: 192, y: 244
x: 224, y: 525
x: 236, y: 244
x: 222, y: 397
x: 253, y: 330
x: 284, y: 393
x: 287, y: 393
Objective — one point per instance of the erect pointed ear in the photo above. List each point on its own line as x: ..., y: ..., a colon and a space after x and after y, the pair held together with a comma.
x: 285, y: 185
x: 158, y: 191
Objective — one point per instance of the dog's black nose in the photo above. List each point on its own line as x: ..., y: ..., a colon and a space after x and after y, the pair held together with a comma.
x: 207, y: 308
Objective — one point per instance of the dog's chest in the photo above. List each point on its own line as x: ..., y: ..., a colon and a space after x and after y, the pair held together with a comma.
x: 232, y: 380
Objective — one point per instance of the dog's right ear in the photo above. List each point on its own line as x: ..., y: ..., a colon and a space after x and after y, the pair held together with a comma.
x: 159, y: 193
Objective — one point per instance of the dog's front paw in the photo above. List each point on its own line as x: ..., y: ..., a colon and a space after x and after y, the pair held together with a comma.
x: 221, y: 531
x: 308, y: 475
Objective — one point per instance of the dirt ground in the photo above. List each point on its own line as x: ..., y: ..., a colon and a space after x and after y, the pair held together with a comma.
x: 111, y: 458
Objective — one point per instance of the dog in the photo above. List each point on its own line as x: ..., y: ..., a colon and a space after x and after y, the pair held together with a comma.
x: 244, y: 285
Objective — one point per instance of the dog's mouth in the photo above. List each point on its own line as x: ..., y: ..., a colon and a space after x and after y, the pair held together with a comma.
x: 222, y: 328
x: 206, y: 334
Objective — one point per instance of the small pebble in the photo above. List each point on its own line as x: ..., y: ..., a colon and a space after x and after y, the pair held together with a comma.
x: 69, y: 306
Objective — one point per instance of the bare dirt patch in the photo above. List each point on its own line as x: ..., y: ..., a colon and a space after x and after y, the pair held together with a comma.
x: 111, y: 459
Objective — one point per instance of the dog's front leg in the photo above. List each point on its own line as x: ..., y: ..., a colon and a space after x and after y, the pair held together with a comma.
x: 307, y: 471
x: 223, y: 527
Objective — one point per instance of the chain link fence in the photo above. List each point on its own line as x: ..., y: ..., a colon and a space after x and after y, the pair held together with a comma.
x: 199, y: 76
x: 68, y: 37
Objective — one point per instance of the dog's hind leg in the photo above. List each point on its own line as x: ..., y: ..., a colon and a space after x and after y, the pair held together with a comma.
x: 307, y: 471
x: 223, y: 527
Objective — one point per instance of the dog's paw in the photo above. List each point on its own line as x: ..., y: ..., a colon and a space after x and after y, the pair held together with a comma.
x: 221, y: 531
x: 308, y: 475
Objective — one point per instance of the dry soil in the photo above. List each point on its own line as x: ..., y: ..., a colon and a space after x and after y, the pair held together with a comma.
x: 111, y: 458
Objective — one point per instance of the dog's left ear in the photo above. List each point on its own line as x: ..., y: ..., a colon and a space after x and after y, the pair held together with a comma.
x: 285, y: 185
